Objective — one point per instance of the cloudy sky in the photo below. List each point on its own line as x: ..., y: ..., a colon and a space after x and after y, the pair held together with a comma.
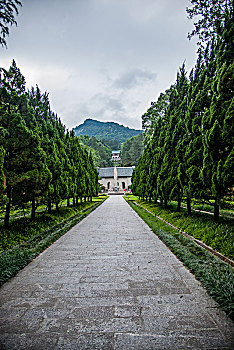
x: 101, y: 59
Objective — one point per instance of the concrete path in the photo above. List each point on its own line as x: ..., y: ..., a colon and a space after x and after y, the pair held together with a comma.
x: 109, y: 283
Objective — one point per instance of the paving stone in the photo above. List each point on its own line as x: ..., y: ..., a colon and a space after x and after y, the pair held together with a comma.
x: 92, y: 313
x: 136, y: 341
x: 28, y: 303
x: 73, y: 326
x: 100, y: 341
x: 28, y: 341
x: 168, y: 309
x: 162, y: 287
x: 176, y: 322
x: 71, y: 303
x: 109, y: 284
x: 127, y: 311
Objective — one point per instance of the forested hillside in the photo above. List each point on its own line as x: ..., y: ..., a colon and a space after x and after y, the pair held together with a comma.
x: 101, y: 153
x: 105, y: 130
x: 40, y: 161
x: 100, y: 138
x: 131, y: 150
x: 189, y: 130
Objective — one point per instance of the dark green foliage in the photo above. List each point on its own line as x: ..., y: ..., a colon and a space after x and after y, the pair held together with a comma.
x: 8, y: 10
x: 108, y: 131
x: 154, y: 114
x: 189, y: 130
x: 101, y: 152
x: 216, y: 276
x: 2, y: 153
x: 131, y: 150
x: 42, y: 162
x: 24, y: 162
x: 112, y: 144
x: 212, y: 18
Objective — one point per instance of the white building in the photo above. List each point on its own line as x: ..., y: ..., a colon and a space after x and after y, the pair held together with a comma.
x: 116, y: 179
x: 115, y: 156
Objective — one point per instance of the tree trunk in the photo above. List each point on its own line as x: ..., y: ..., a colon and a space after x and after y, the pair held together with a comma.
x: 161, y: 201
x: 74, y: 201
x: 49, y: 207
x: 178, y: 204
x: 68, y: 202
x: 8, y: 208
x: 57, y: 206
x: 80, y: 199
x: 33, y: 212
x: 189, y: 210
x: 216, y: 210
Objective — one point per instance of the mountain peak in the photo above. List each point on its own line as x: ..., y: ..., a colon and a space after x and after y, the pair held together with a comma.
x: 105, y: 130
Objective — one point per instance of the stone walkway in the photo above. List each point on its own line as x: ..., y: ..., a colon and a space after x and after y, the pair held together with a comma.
x: 109, y: 283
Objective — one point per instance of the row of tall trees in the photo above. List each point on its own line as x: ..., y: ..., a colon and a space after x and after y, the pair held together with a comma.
x: 189, y: 130
x: 39, y: 159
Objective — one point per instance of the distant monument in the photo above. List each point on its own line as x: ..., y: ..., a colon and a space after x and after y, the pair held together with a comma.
x: 116, y: 157
x: 115, y: 180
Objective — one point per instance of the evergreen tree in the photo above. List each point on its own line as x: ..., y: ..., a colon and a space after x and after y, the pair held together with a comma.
x: 8, y: 10
x: 157, y: 110
x: 218, y: 138
x: 2, y: 178
x: 189, y: 130
x: 24, y: 163
x: 212, y: 18
x: 42, y: 161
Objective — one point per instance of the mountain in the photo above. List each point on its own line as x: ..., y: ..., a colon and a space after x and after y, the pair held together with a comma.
x: 101, y: 152
x: 131, y: 150
x: 105, y: 130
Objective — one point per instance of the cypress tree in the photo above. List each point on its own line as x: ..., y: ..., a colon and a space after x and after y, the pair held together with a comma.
x: 2, y: 178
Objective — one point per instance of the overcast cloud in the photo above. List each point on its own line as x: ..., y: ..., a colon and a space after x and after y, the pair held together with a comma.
x: 104, y: 59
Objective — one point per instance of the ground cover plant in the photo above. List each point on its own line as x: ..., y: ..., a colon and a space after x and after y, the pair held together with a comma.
x: 227, y: 208
x: 25, y: 239
x: 216, y: 276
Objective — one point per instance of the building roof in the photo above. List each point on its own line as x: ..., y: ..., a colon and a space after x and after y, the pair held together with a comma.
x: 116, y: 152
x: 124, y: 171
x: 106, y: 172
x: 121, y: 172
